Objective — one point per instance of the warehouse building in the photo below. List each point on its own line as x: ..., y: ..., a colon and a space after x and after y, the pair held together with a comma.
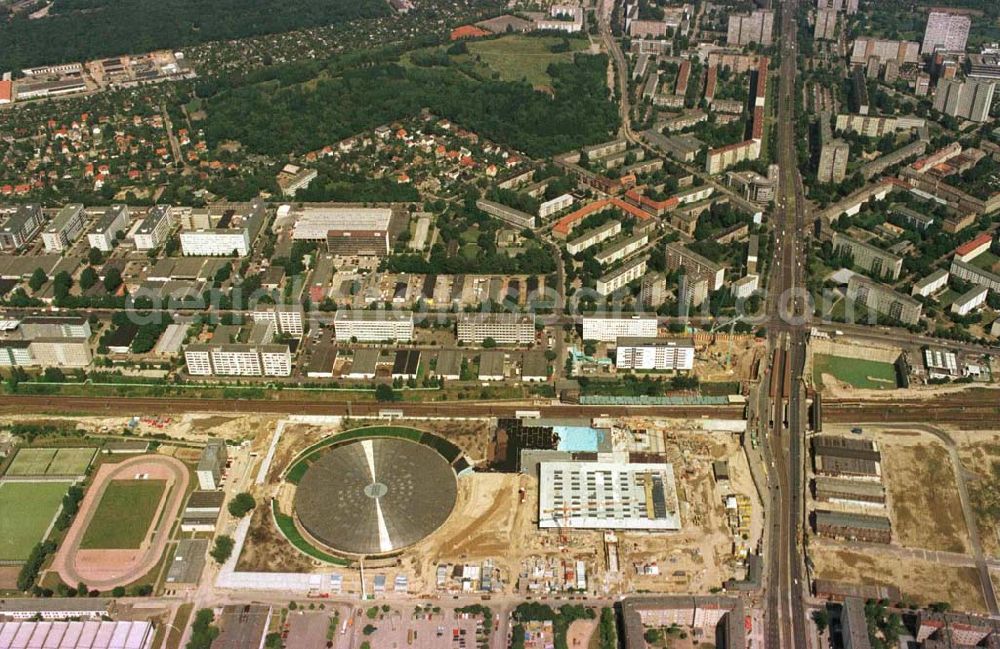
x: 76, y: 635
x: 315, y: 223
x: 373, y: 326
x: 854, y: 527
x: 63, y: 230
x: 105, y: 231
x: 649, y: 354
x: 61, y: 352
x: 54, y: 608
x: 854, y: 624
x: 211, y: 464
x: 607, y: 495
x: 22, y: 227
x: 847, y: 457
x: 361, y: 243
x: 39, y: 326
x: 849, y: 492
x: 502, y: 328
x: 188, y: 561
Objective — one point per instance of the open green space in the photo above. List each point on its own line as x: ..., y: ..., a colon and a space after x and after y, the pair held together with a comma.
x: 71, y: 461
x: 518, y: 57
x: 986, y: 261
x: 860, y: 373
x: 31, y: 461
x: 27, y: 509
x: 123, y: 515
x: 287, y: 526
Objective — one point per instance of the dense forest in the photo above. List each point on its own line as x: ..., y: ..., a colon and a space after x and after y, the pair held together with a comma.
x: 87, y: 29
x: 277, y: 118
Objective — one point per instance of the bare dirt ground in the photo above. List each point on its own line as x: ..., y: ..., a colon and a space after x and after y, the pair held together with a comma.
x: 579, y: 632
x: 980, y: 455
x: 921, y: 581
x: 926, y: 507
x: 8, y: 577
x: 266, y: 550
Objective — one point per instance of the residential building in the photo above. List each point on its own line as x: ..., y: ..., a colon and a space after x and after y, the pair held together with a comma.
x: 557, y: 204
x: 970, y: 99
x: 61, y: 352
x: 42, y: 326
x: 975, y: 247
x: 502, y: 328
x: 154, y: 228
x: 649, y: 354
x: 946, y: 31
x: 873, y: 259
x: 594, y: 237
x: 744, y: 287
x: 292, y: 178
x: 985, y: 65
x: 229, y: 231
x: 610, y: 329
x: 755, y: 27
x: 753, y: 186
x: 509, y: 215
x: 287, y: 318
x: 833, y: 155
x: 621, y: 276
x: 373, y: 326
x: 238, y: 359
x: 974, y: 274
x: 21, y: 227
x: 678, y: 256
x: 64, y: 229
x: 211, y: 464
x: 564, y: 18
x: 621, y: 249
x: 105, y: 231
x: 969, y: 301
x: 854, y: 624
x: 826, y: 25
x: 867, y: 47
x: 931, y: 284
x: 653, y: 291
x: 883, y: 299
x: 719, y: 159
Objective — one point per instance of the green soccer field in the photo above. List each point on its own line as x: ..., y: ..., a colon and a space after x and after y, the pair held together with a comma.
x: 872, y: 375
x: 26, y: 511
x: 71, y: 461
x: 123, y: 515
x: 31, y: 461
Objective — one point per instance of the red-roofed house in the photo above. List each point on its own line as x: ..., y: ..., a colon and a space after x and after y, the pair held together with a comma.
x: 468, y: 31
x: 6, y: 92
x: 972, y: 249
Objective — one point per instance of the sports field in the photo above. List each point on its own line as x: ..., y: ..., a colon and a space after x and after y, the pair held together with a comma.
x: 26, y: 511
x: 51, y: 461
x: 123, y: 515
x: 519, y: 57
x: 872, y: 375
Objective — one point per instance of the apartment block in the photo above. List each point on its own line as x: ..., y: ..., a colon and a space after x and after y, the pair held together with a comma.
x: 622, y: 249
x: 238, y: 360
x: 610, y: 329
x: 621, y: 276
x: 744, y: 287
x: 931, y: 284
x: 502, y: 328
x: 594, y: 237
x: 286, y: 318
x: 22, y: 227
x: 373, y: 326
x: 154, y: 228
x: 974, y: 274
x: 884, y: 50
x: 883, y: 299
x: 755, y: 27
x: 63, y: 230
x: 826, y: 25
x: 833, y: 156
x: 873, y: 259
x: 654, y: 354
x: 653, y: 291
x: 946, y: 31
x: 969, y: 301
x: 678, y: 256
x: 114, y: 220
x: 508, y: 215
x: 719, y: 159
x: 969, y: 99
x: 557, y: 204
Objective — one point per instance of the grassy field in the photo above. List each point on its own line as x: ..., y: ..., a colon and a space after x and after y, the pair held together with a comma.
x: 519, y: 57
x: 71, y: 461
x: 124, y: 515
x: 31, y: 461
x: 26, y: 511
x: 986, y: 261
x: 872, y: 375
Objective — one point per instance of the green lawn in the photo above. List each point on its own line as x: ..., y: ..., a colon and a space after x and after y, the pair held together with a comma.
x: 986, y: 261
x: 26, y: 511
x: 287, y: 526
x: 31, y: 461
x: 124, y: 515
x: 71, y: 461
x: 519, y: 57
x: 859, y: 373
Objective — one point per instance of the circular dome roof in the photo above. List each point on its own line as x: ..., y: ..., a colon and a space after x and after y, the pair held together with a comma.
x: 375, y: 496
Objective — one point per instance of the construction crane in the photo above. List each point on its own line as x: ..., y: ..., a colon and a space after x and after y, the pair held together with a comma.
x: 729, y: 351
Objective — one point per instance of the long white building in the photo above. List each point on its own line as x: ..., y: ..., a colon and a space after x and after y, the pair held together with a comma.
x: 610, y: 329
x: 373, y: 326
x: 654, y: 354
x: 607, y: 495
x: 114, y: 220
x: 63, y: 230
x: 286, y: 318
x: 238, y: 360
x: 621, y: 276
x: 502, y: 328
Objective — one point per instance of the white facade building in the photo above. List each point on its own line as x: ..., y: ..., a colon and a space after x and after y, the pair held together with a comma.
x: 594, y: 237
x: 621, y: 277
x: 557, y: 204
x: 286, y: 318
x: 654, y: 354
x: 373, y: 326
x: 154, y: 228
x: 238, y: 360
x: 611, y: 329
x: 744, y: 287
x: 215, y: 243
x: 931, y: 284
x: 969, y: 301
x: 114, y: 220
x: 64, y: 229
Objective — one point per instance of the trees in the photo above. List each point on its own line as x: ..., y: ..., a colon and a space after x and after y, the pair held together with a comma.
x: 384, y: 392
x: 241, y: 504
x: 88, y: 277
x: 203, y: 633
x: 112, y: 279
x: 37, y: 280
x: 223, y: 548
